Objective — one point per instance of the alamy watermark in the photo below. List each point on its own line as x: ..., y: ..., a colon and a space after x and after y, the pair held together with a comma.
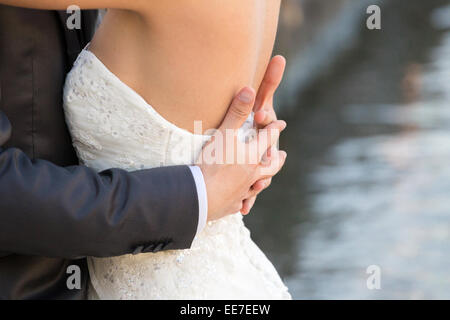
x: 73, y: 281
x: 373, y: 281
x: 373, y: 22
x: 74, y: 20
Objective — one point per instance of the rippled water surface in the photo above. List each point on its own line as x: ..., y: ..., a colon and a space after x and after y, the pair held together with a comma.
x: 368, y: 175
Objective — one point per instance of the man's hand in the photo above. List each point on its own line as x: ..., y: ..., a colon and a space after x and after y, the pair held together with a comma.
x: 230, y: 166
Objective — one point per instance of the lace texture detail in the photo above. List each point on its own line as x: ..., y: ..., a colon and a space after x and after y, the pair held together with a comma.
x: 113, y: 127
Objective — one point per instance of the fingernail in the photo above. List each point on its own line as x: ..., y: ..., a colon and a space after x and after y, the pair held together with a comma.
x: 246, y: 95
x: 284, y: 125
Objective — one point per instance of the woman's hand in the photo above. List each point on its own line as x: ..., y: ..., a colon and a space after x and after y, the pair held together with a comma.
x: 263, y: 108
x: 231, y: 166
x: 265, y: 114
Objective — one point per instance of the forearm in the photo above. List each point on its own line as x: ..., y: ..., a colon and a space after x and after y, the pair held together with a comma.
x: 72, y: 212
x: 64, y: 4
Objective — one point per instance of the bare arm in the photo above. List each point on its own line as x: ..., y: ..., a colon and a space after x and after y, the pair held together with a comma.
x: 83, y: 4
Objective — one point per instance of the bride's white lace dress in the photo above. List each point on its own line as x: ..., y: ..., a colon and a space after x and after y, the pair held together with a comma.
x: 112, y: 126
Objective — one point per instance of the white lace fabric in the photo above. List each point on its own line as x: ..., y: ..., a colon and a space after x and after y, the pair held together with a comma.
x: 113, y: 127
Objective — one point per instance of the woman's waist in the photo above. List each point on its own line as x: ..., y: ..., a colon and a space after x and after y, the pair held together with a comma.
x: 192, y: 90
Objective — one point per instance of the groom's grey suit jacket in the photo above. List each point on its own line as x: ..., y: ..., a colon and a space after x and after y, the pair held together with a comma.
x: 54, y: 213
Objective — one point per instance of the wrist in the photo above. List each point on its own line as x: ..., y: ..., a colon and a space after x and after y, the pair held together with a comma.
x: 202, y: 197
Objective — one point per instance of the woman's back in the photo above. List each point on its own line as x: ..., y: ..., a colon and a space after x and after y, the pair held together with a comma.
x: 188, y: 58
x: 112, y: 126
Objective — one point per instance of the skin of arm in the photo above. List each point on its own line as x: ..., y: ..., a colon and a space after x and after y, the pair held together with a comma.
x: 189, y: 67
x: 221, y: 46
x: 83, y: 4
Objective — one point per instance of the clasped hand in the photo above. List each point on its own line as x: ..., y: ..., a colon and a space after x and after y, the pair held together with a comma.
x: 236, y: 171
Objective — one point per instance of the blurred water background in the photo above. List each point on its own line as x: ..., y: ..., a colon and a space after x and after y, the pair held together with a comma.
x: 367, y: 179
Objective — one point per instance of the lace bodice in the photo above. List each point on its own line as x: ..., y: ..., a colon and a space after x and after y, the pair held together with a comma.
x: 112, y: 126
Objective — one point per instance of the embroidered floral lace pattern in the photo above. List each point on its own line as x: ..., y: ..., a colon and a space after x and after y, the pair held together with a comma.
x: 112, y: 126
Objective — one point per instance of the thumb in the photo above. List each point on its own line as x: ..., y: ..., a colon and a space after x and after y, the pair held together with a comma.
x: 239, y: 110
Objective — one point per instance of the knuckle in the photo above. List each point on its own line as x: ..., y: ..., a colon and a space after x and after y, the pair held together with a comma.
x: 267, y: 172
x: 254, y: 193
x: 239, y: 110
x: 275, y: 133
x: 283, y: 156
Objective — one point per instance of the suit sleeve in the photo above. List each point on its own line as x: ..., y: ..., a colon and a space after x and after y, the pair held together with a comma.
x: 73, y: 212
